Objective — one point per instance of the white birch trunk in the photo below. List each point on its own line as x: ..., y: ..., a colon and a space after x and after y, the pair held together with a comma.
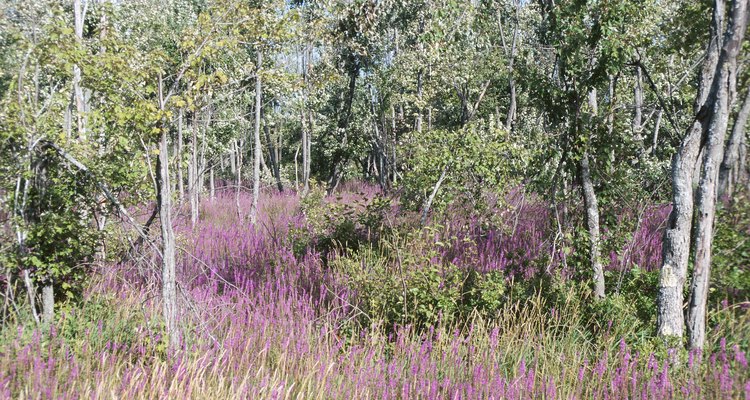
x: 256, y: 141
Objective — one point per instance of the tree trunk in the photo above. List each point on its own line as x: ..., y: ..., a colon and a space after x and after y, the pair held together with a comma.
x: 510, y: 119
x: 273, y: 153
x: 637, y: 124
x: 657, y: 126
x: 233, y: 158
x: 676, y: 245
x: 729, y: 173
x: 263, y: 165
x: 305, y: 155
x: 310, y: 132
x: 676, y: 251
x: 79, y: 13
x: 592, y: 223
x: 169, y: 279
x: 510, y: 54
x: 256, y: 141
x: 378, y: 141
x: 420, y: 76
x: 418, y: 122
x: 31, y: 294
x: 611, y: 120
x: 193, y: 175
x: 48, y: 303
x: 721, y: 99
x: 238, y: 179
x: 164, y: 202
x: 103, y: 25
x: 211, y: 183
x: 178, y: 156
x: 202, y: 159
x: 743, y: 167
x: 340, y: 158
x: 670, y: 320
x: 592, y: 212
x: 279, y: 156
x: 428, y: 203
x: 306, y: 128
x: 296, y: 169
x: 393, y: 148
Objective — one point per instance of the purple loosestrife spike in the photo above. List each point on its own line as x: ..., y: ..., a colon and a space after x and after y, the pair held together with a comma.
x: 739, y: 357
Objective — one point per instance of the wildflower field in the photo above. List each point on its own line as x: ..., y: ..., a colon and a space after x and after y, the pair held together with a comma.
x: 346, y: 297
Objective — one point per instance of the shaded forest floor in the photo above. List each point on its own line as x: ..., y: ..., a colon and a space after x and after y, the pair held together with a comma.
x: 347, y: 297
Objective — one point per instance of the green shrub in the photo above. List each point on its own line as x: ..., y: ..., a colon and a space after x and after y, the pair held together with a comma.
x: 476, y: 158
x: 399, y: 286
x: 339, y: 226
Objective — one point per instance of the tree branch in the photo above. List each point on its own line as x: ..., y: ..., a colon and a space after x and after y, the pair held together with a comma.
x: 104, y: 189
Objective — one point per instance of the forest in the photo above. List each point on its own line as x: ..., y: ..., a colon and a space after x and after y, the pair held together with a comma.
x: 355, y: 199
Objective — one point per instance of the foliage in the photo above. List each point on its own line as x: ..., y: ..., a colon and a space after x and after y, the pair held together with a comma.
x: 731, y: 261
x: 339, y: 291
x: 475, y: 159
x: 536, y: 344
x: 339, y: 226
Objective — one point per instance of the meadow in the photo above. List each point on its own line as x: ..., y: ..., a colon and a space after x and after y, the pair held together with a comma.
x: 347, y: 297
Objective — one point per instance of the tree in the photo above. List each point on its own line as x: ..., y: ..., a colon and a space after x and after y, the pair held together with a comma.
x: 591, y: 44
x: 706, y: 136
x: 256, y: 137
x: 59, y: 180
x: 733, y: 166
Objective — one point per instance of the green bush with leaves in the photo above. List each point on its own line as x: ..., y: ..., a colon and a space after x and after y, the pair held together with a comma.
x: 337, y: 225
x: 59, y: 239
x: 477, y: 158
x: 396, y: 285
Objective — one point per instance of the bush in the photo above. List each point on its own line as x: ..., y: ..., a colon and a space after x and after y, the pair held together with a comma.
x: 400, y: 285
x: 342, y: 226
x: 475, y: 158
